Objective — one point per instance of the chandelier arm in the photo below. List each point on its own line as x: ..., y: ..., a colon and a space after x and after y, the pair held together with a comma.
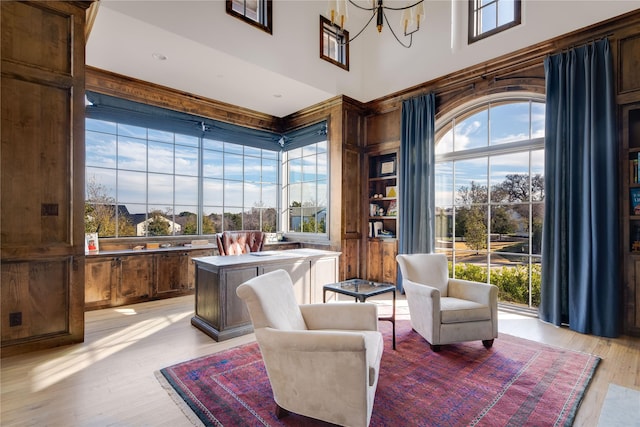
x: 394, y: 33
x: 400, y: 8
x: 362, y: 7
x: 359, y: 32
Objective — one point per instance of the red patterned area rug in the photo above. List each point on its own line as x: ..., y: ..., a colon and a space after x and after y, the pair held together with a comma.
x: 515, y: 383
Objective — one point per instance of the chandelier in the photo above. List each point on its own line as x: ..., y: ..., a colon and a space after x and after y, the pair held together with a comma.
x: 412, y: 15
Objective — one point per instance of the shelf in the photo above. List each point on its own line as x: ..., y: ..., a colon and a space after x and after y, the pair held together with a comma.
x: 372, y: 218
x: 383, y: 178
x: 383, y: 199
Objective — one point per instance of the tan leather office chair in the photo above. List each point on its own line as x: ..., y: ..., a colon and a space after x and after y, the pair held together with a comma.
x: 322, y: 360
x: 445, y: 310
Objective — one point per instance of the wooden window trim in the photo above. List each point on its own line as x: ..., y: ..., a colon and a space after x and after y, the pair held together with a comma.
x: 324, y: 21
x: 268, y: 28
x: 517, y: 19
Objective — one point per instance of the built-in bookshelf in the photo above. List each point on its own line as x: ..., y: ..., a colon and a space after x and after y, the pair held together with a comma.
x: 383, y: 196
x: 632, y: 115
x: 630, y: 185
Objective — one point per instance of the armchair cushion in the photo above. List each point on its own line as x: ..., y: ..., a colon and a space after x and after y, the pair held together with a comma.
x: 454, y: 310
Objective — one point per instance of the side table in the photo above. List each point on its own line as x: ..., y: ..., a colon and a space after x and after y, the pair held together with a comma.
x: 362, y: 289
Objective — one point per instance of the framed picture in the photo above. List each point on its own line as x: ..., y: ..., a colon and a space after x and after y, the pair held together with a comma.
x: 391, y: 191
x: 388, y: 167
x: 91, y: 242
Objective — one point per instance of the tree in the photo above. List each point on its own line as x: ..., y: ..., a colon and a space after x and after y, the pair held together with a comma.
x: 232, y: 221
x: 476, y: 230
x: 471, y: 199
x: 158, y: 224
x: 100, y: 213
x: 501, y: 221
x: 515, y: 188
x: 476, y: 194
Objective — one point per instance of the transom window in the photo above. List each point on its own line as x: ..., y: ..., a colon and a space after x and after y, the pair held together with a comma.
x: 334, y: 45
x: 488, y: 17
x: 255, y: 12
x: 490, y: 195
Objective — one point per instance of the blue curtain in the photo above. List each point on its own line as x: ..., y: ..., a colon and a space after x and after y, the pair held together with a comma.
x: 417, y: 189
x: 580, y: 264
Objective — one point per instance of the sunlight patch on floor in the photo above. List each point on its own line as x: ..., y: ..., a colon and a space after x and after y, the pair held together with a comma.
x: 53, y: 371
x: 126, y: 311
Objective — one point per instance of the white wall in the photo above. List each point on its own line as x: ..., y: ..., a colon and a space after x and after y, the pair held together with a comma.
x: 218, y: 56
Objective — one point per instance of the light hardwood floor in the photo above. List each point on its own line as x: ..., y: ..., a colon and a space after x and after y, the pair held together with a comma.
x: 109, y: 379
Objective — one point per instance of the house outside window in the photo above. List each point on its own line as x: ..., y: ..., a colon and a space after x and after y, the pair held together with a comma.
x: 490, y: 195
x: 488, y: 17
x: 334, y: 46
x: 254, y: 12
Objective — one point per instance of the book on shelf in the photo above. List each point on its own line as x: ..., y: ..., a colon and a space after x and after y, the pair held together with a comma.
x: 635, y: 201
x: 633, y: 171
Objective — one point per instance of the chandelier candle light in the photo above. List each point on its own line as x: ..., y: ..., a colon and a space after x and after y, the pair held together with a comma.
x: 412, y: 15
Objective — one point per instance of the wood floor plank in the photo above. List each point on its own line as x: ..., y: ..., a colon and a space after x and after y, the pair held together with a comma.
x: 109, y: 379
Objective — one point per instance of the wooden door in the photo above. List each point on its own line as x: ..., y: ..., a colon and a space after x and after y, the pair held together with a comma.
x: 171, y: 273
x: 98, y: 282
x: 134, y: 275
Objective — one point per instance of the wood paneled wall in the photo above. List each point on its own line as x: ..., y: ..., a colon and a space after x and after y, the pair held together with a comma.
x: 42, y: 158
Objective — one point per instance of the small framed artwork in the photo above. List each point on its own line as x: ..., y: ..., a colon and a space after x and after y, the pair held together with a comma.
x: 392, y: 191
x: 91, y: 242
x: 388, y: 167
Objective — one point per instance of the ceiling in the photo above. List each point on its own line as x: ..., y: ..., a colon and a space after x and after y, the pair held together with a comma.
x: 212, y: 54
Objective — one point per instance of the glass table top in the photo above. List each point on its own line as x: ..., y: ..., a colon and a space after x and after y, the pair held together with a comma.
x: 360, y: 287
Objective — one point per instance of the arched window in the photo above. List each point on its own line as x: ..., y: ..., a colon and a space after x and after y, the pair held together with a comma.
x: 490, y: 193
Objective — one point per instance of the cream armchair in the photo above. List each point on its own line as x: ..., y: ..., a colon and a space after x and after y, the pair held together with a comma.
x: 445, y: 310
x: 322, y: 360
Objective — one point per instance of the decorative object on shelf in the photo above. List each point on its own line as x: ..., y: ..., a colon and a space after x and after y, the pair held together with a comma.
x: 91, y: 245
x: 392, y: 191
x: 393, y: 208
x: 385, y: 234
x: 635, y: 201
x: 373, y: 209
x: 388, y: 167
x: 377, y: 228
x: 633, y: 171
x: 412, y: 15
x: 635, y: 245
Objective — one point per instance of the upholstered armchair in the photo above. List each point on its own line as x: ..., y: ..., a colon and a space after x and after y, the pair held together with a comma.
x: 322, y: 360
x: 445, y: 310
x: 239, y: 242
